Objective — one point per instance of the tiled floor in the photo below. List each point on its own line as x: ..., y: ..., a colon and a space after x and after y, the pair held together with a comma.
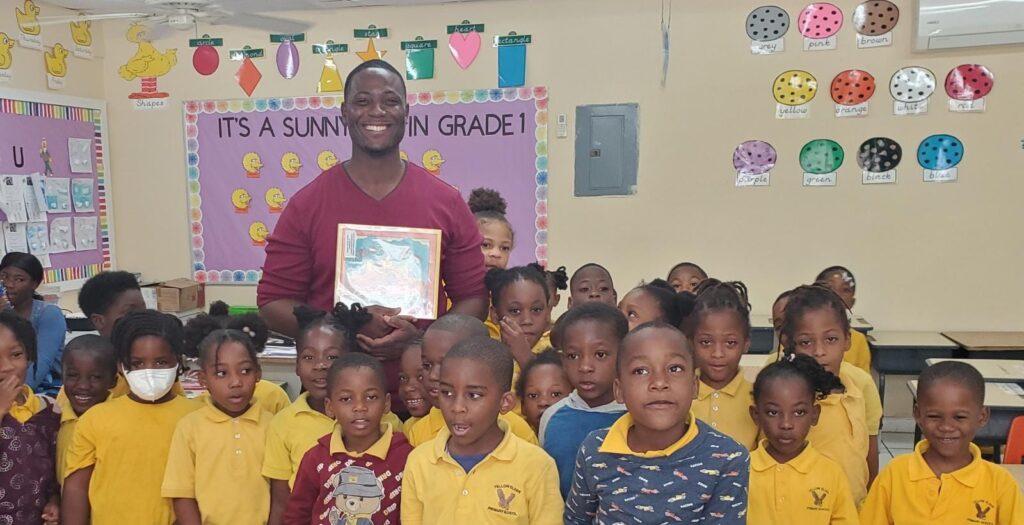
x: 891, y: 444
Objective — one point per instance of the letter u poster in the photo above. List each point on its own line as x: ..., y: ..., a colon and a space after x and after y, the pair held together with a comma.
x: 246, y: 158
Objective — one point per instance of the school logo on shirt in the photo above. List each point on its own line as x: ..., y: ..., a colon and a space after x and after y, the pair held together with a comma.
x: 505, y: 494
x: 818, y: 495
x: 982, y: 510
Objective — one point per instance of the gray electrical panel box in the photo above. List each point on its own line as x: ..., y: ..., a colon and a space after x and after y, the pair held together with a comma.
x: 607, y: 149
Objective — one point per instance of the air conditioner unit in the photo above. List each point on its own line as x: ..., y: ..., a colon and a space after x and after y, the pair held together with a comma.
x: 944, y: 24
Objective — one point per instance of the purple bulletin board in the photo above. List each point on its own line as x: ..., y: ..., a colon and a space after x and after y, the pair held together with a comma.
x: 26, y: 119
x: 245, y: 158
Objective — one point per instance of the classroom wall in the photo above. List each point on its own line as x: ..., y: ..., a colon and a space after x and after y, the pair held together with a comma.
x: 938, y: 256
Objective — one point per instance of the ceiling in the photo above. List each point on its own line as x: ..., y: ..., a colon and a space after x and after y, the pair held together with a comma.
x: 251, y: 6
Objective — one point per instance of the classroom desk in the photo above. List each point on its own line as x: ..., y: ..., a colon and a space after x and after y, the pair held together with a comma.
x: 905, y: 353
x: 1004, y: 400
x: 762, y: 332
x: 990, y: 345
x: 993, y: 370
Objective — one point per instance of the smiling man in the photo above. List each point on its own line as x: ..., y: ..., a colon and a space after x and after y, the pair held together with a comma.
x: 374, y: 187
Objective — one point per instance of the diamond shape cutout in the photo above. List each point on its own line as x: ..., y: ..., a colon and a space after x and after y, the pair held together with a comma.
x: 248, y: 76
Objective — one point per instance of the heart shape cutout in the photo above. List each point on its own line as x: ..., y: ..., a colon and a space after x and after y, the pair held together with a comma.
x: 465, y: 47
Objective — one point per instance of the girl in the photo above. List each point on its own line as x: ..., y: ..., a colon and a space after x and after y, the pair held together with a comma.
x: 815, y: 324
x: 842, y: 282
x: 719, y: 329
x: 489, y: 209
x: 28, y: 423
x: 268, y: 395
x: 217, y: 451
x: 411, y: 390
x: 520, y: 306
x: 119, y: 450
x: 557, y: 280
x: 655, y: 301
x: 21, y: 274
x: 790, y: 481
x: 542, y: 383
x: 686, y: 276
x: 322, y: 339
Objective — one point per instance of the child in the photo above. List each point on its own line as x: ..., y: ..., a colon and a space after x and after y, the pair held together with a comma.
x: 29, y: 493
x: 438, y: 340
x: 353, y: 474
x: 816, y: 325
x: 476, y: 470
x: 21, y: 275
x: 842, y: 282
x: 655, y: 301
x: 268, y: 396
x: 591, y: 335
x: 945, y: 480
x: 658, y: 463
x: 592, y: 282
x: 519, y: 305
x: 686, y: 276
x: 217, y: 451
x: 790, y: 481
x: 719, y: 330
x: 322, y: 338
x: 489, y: 208
x: 557, y: 280
x: 778, y: 315
x: 89, y: 370
x: 108, y: 296
x: 119, y: 449
x: 541, y: 384
x: 412, y: 390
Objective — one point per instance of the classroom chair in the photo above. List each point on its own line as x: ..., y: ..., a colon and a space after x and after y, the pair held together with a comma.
x: 1015, y: 442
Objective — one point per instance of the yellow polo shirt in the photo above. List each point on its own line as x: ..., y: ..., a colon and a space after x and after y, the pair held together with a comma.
x: 728, y: 410
x: 516, y: 483
x: 908, y: 492
x: 214, y: 458
x: 68, y: 422
x: 847, y: 420
x: 430, y: 425
x: 810, y: 490
x: 859, y: 354
x: 121, y: 388
x: 408, y: 424
x: 617, y: 442
x: 267, y: 395
x: 295, y: 430
x: 127, y: 443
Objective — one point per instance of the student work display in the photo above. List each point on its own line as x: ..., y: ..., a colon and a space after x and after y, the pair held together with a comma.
x: 246, y: 158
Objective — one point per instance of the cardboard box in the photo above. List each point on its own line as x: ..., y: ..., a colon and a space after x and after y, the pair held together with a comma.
x: 179, y: 295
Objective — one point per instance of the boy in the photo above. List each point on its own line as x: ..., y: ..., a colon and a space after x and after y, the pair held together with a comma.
x: 411, y: 389
x: 590, y: 335
x: 442, y: 335
x: 945, y: 480
x: 89, y: 372
x: 476, y: 470
x: 658, y: 463
x: 352, y: 475
x: 107, y: 296
x: 592, y: 282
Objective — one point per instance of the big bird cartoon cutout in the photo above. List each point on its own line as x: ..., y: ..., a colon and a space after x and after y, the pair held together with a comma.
x: 275, y: 200
x: 147, y: 64
x: 432, y: 161
x: 240, y: 199
x: 326, y: 160
x: 290, y: 163
x: 252, y: 163
x: 258, y: 232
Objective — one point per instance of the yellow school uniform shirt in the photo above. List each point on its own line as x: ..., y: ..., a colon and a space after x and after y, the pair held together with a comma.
x: 516, y: 483
x: 810, y: 490
x: 859, y: 354
x: 68, y: 422
x: 293, y: 431
x: 267, y: 395
x: 430, y: 425
x: 845, y: 423
x: 214, y: 458
x: 728, y: 410
x: 908, y: 492
x: 408, y: 424
x: 127, y: 443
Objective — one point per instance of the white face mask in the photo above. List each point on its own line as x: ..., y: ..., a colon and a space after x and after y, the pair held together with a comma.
x: 151, y: 384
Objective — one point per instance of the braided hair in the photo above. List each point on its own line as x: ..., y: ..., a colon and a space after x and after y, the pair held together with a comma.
x: 142, y: 323
x: 497, y: 279
x: 806, y: 298
x: 713, y: 295
x: 819, y: 381
x: 675, y: 306
x: 346, y: 320
x: 206, y: 334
